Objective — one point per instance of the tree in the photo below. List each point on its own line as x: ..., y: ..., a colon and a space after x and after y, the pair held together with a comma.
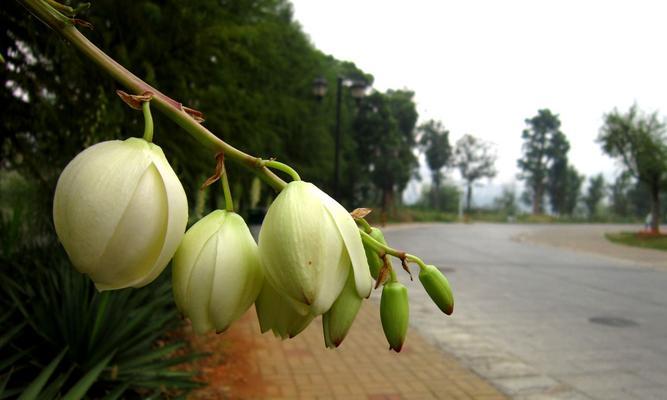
x: 507, y: 201
x: 543, y: 145
x: 639, y: 141
x: 620, y: 192
x: 384, y: 128
x: 475, y: 160
x: 594, y: 195
x: 448, y: 197
x: 434, y: 141
x: 557, y: 176
x: 572, y: 190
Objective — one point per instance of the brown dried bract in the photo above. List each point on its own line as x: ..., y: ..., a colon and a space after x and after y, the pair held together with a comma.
x: 360, y: 212
x: 219, y: 166
x: 404, y: 263
x: 82, y: 23
x: 384, y: 271
x: 134, y: 100
x: 195, y: 114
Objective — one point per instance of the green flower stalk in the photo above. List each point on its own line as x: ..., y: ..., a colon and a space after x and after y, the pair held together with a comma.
x: 394, y: 314
x: 375, y: 262
x: 437, y: 286
x: 120, y: 212
x: 216, y: 272
x: 308, y: 245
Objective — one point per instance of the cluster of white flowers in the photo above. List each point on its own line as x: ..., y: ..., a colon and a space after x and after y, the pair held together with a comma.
x: 121, y: 213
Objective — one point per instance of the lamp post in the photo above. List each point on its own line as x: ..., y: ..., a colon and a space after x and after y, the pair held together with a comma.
x: 357, y: 90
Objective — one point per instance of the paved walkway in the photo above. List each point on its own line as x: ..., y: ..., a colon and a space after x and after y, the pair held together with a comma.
x: 247, y: 365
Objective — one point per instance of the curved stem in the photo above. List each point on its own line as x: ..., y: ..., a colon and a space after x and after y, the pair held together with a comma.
x: 282, y: 167
x: 148, y: 121
x: 392, y: 274
x: 416, y: 260
x: 166, y: 105
x: 383, y: 248
x: 229, y: 204
x: 379, y: 247
x: 363, y: 224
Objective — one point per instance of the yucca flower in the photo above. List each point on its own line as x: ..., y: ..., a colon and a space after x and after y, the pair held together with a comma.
x: 120, y: 212
x: 280, y: 314
x: 308, y: 244
x: 216, y: 272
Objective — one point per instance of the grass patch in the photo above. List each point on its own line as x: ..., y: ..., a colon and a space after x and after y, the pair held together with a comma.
x: 647, y: 241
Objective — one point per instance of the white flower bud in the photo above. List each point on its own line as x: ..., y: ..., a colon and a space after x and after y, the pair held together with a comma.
x: 307, y: 243
x: 120, y: 212
x: 216, y: 271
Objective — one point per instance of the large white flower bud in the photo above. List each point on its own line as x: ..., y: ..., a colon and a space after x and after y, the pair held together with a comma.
x: 120, y: 212
x: 216, y: 272
x: 307, y: 243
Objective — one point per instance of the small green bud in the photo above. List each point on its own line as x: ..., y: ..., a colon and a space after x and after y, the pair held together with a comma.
x: 338, y: 320
x: 375, y: 263
x: 437, y: 286
x: 394, y: 314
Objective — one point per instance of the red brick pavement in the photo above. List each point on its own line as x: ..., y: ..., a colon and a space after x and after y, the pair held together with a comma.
x: 248, y: 365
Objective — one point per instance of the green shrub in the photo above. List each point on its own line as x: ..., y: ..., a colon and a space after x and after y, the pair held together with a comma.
x: 59, y: 337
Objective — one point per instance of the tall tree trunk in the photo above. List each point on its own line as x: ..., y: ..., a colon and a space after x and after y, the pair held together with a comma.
x: 387, y: 203
x: 537, y: 199
x: 435, y: 191
x: 655, y: 208
x: 469, y: 197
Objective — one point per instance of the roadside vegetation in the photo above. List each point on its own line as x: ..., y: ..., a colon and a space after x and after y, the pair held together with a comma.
x: 647, y: 241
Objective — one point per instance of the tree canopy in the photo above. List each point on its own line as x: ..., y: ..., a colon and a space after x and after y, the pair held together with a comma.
x: 543, y: 147
x: 475, y: 159
x: 639, y: 141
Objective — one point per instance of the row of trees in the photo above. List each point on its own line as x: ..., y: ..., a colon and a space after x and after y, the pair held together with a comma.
x: 246, y: 65
x: 474, y: 158
x: 638, y: 140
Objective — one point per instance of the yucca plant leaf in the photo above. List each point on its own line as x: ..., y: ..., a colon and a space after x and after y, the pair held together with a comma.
x: 32, y: 391
x: 10, y: 393
x: 53, y: 389
x: 117, y: 392
x: 3, y: 383
x: 81, y: 387
x: 101, y: 313
x: 9, y: 334
x: 151, y: 356
x: 11, y: 360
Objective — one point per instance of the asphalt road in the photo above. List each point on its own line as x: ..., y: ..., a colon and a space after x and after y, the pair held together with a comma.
x: 543, y: 322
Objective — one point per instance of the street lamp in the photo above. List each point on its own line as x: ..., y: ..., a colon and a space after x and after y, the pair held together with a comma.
x: 357, y: 90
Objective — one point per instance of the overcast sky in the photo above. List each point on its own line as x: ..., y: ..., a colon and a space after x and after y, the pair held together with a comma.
x: 483, y: 67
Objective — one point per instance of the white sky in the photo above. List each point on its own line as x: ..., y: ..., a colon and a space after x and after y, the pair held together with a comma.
x: 482, y: 67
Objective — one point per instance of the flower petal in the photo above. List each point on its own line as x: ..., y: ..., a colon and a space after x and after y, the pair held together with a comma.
x: 238, y: 276
x: 131, y: 252
x: 350, y: 233
x: 177, y: 218
x: 92, y: 194
x: 188, y: 251
x: 300, y: 248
